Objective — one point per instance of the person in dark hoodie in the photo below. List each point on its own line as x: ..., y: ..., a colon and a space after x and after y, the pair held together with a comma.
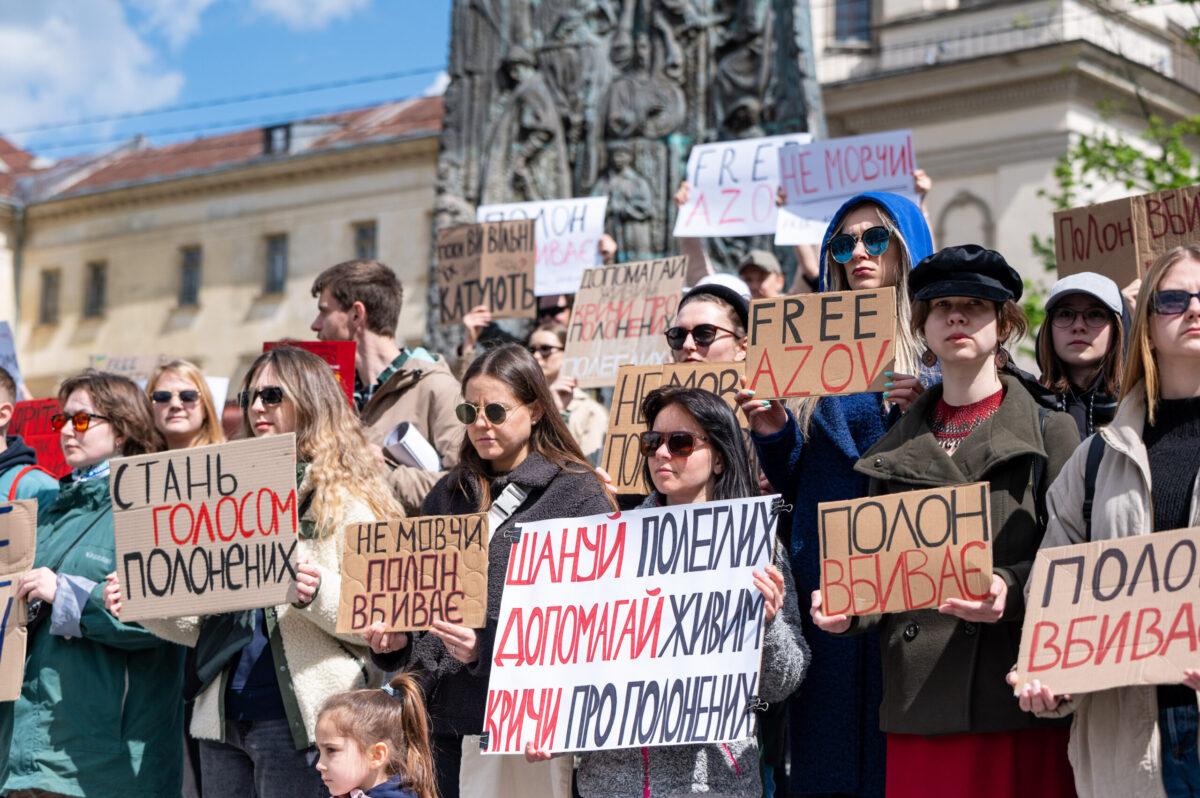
x: 20, y: 475
x: 808, y: 452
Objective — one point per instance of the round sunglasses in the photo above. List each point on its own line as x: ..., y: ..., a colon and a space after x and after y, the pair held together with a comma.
x: 79, y: 421
x: 271, y: 395
x: 188, y: 397
x: 874, y: 239
x: 1064, y: 318
x: 702, y: 334
x: 679, y: 444
x: 495, y: 413
x: 1173, y: 301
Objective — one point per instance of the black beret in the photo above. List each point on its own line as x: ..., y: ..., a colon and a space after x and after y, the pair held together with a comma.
x: 967, y: 270
x: 740, y: 306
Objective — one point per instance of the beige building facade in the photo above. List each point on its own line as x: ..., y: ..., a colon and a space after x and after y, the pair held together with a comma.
x: 167, y: 252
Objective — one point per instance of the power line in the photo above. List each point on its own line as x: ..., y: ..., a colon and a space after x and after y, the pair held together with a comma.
x: 243, y: 98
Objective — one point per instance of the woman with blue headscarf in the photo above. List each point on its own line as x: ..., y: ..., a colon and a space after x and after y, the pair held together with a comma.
x: 808, y: 451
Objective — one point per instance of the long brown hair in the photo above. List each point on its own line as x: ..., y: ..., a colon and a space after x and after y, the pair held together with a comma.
x: 1054, y: 374
x: 372, y: 716
x: 119, y: 400
x: 328, y: 437
x: 210, y: 431
x: 1141, y: 370
x: 512, y: 365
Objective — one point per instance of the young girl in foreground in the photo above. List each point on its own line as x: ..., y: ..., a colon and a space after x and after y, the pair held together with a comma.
x: 374, y: 745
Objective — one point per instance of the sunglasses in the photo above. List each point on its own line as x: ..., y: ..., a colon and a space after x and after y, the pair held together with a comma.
x: 874, y: 239
x: 271, y: 395
x: 551, y: 310
x: 702, y: 334
x: 1172, y: 302
x: 495, y: 413
x: 544, y: 350
x: 1064, y: 318
x: 80, y: 421
x: 187, y: 397
x: 679, y: 444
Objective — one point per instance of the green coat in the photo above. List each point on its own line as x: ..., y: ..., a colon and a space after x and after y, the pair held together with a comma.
x: 100, y: 712
x: 943, y: 675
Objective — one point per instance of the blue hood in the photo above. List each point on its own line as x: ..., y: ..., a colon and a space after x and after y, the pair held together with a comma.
x: 904, y: 214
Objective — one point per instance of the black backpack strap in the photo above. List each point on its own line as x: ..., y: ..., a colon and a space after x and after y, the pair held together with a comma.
x: 1039, y: 473
x: 1094, y: 455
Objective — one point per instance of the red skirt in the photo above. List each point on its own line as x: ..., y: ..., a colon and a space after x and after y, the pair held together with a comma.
x: 1021, y: 764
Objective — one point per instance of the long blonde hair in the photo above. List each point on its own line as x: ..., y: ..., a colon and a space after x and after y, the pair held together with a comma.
x: 328, y: 437
x: 211, y: 430
x: 1141, y: 370
x: 906, y: 347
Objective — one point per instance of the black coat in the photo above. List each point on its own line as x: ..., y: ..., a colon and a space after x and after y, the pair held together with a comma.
x: 456, y: 694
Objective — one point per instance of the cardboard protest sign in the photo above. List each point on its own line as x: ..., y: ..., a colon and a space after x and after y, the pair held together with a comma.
x: 487, y: 264
x: 411, y: 572
x: 136, y: 367
x: 1122, y: 238
x: 622, y: 457
x: 568, y: 237
x: 31, y: 420
x: 8, y: 355
x: 338, y: 354
x: 206, y: 530
x: 1112, y: 613
x: 620, y: 317
x: 905, y: 551
x: 18, y: 544
x: 614, y: 631
x: 819, y: 176
x: 733, y: 187
x: 826, y: 344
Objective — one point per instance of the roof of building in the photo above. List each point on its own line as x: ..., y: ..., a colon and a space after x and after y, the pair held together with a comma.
x: 134, y: 163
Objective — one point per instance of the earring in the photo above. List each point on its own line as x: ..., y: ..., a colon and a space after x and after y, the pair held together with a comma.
x: 1001, y: 358
x: 928, y: 358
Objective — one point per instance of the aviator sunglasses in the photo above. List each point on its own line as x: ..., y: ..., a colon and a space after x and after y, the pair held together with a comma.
x: 80, y: 421
x: 680, y: 444
x: 874, y: 239
x: 271, y: 395
x: 495, y: 413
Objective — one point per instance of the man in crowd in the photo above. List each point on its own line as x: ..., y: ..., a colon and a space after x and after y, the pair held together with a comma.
x: 20, y: 476
x: 360, y: 301
x: 761, y: 271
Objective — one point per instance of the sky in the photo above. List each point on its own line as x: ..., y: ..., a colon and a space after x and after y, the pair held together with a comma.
x: 66, y: 62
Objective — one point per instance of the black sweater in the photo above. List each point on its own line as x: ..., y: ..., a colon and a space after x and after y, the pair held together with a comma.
x: 456, y: 694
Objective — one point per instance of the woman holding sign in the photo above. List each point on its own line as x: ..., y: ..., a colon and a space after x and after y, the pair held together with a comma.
x: 694, y: 452
x: 951, y: 723
x: 100, y: 712
x: 519, y: 464
x: 265, y: 673
x: 1139, y: 740
x: 808, y: 452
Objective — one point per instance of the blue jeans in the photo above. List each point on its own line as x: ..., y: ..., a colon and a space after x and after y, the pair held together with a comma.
x: 1181, y: 761
x: 259, y: 760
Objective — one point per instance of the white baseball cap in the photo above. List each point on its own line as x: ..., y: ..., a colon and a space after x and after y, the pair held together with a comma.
x: 1090, y: 283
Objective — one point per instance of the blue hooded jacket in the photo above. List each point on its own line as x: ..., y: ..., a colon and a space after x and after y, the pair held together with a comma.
x: 836, y: 743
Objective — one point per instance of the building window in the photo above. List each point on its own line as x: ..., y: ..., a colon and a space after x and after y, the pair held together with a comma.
x: 365, y: 238
x: 277, y: 263
x: 852, y: 21
x: 189, y: 276
x: 48, y: 309
x: 277, y: 139
x: 96, y: 296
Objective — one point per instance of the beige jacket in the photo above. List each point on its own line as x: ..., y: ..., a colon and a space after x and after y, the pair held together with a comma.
x: 1115, y: 746
x: 587, y: 421
x: 319, y: 660
x: 423, y: 393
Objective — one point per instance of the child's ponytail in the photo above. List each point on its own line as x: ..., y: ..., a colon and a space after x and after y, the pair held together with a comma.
x: 417, y: 757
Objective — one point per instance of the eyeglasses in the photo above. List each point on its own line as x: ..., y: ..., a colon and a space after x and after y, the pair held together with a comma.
x: 495, y: 413
x: 875, y: 239
x: 702, y: 334
x: 679, y: 444
x: 187, y: 397
x: 1064, y: 318
x: 1172, y: 302
x: 271, y: 395
x: 544, y: 350
x: 80, y: 421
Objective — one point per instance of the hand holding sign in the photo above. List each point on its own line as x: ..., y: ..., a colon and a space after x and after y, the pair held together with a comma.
x: 834, y: 624
x: 382, y: 641
x: 461, y: 641
x: 989, y: 609
x: 308, y: 582
x: 764, y: 416
x: 40, y: 584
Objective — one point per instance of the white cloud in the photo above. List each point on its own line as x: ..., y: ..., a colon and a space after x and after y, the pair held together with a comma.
x: 437, y: 87
x: 308, y: 14
x: 177, y: 20
x: 67, y: 59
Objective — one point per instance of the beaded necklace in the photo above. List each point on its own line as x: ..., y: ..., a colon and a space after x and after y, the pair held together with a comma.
x: 951, y: 425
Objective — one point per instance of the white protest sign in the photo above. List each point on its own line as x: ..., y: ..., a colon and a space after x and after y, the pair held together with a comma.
x: 8, y: 356
x: 818, y: 177
x: 732, y: 187
x: 567, y: 233
x: 620, y: 631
